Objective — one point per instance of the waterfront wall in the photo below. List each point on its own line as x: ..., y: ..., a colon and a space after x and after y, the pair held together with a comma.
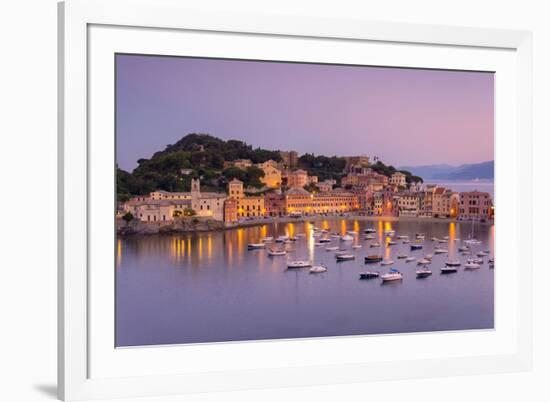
x: 178, y: 225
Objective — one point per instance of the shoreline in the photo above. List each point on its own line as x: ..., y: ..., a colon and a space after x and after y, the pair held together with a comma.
x: 145, y: 228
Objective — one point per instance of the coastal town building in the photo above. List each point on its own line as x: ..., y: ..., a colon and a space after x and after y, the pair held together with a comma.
x: 398, y: 179
x: 475, y: 205
x: 231, y: 210
x: 275, y: 204
x: 326, y: 185
x: 272, y: 176
x: 209, y: 205
x: 356, y: 162
x: 302, y: 202
x: 290, y: 158
x: 154, y: 210
x: 166, y: 195
x: 368, y: 178
x: 408, y: 204
x: 297, y: 178
x: 247, y: 207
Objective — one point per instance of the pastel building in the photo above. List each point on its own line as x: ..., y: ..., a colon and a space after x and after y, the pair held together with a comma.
x: 297, y: 178
x: 275, y: 204
x: 300, y: 201
x: 475, y: 205
x: 209, y: 205
x: 272, y: 176
x: 408, y: 204
x: 398, y: 179
x: 247, y: 207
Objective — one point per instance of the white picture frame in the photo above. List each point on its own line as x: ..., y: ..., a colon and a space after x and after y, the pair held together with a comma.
x: 78, y: 345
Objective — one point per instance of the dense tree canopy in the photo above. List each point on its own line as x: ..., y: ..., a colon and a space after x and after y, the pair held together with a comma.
x: 203, y: 156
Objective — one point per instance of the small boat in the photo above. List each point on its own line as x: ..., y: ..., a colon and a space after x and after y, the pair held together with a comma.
x: 402, y: 256
x: 373, y: 258
x: 492, y: 260
x: 423, y: 272
x: 352, y: 232
x: 274, y: 253
x: 471, y: 265
x: 281, y: 239
x: 369, y: 275
x: 389, y: 232
x: 369, y: 230
x: 256, y: 246
x: 420, y: 236
x: 300, y: 235
x: 453, y: 263
x: 466, y: 253
x: 317, y: 244
x: 410, y: 259
x: 267, y: 239
x: 424, y: 261
x: 476, y: 260
x: 298, y: 264
x: 440, y: 251
x: 406, y: 241
x: 391, y: 243
x: 317, y: 269
x: 402, y: 237
x: 416, y: 246
x: 429, y: 256
x: 448, y: 270
x: 435, y: 239
x: 335, y: 236
x: 292, y: 239
x: 375, y: 244
x: 346, y: 238
x: 386, y: 262
x: 487, y: 252
x: 482, y: 254
x: 442, y: 241
x: 463, y: 248
x: 369, y: 237
x: 392, y: 275
x: 324, y: 240
x: 356, y: 246
x: 345, y: 257
x: 332, y: 248
x: 446, y: 237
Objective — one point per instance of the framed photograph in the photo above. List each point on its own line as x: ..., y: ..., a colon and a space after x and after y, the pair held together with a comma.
x: 251, y: 201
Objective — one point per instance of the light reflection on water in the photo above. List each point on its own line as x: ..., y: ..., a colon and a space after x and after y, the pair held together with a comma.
x: 208, y: 287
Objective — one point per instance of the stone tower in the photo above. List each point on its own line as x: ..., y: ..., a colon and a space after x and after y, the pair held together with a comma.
x: 236, y: 189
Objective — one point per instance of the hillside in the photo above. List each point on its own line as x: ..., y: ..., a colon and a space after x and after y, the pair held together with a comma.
x: 203, y: 156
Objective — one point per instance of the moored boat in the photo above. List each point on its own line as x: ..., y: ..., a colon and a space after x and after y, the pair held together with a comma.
x: 440, y: 251
x: 373, y: 258
x: 345, y: 257
x: 392, y: 275
x: 386, y: 262
x: 332, y: 248
x: 255, y: 246
x: 423, y: 272
x: 274, y: 253
x: 453, y: 263
x: 369, y: 275
x: 410, y: 259
x: 317, y: 269
x: 448, y: 270
x: 416, y: 246
x: 298, y: 264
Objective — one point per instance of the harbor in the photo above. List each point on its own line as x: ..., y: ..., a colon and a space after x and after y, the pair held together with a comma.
x: 247, y: 283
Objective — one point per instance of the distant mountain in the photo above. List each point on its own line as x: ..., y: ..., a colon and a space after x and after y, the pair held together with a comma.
x: 483, y: 170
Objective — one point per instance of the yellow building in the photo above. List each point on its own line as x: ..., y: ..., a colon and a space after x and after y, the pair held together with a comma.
x: 300, y: 201
x: 246, y: 206
x: 298, y: 178
x: 398, y: 179
x: 272, y: 175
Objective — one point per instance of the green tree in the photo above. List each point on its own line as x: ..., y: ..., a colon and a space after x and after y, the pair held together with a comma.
x: 128, y: 217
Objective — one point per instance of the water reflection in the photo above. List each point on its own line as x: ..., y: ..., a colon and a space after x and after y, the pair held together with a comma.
x: 206, y: 287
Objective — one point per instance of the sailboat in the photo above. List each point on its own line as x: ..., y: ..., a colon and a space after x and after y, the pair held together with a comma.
x: 472, y: 239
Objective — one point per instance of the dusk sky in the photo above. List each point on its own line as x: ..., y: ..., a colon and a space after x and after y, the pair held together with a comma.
x: 403, y: 116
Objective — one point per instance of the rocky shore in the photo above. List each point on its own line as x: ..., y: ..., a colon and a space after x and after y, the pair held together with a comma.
x: 196, y: 224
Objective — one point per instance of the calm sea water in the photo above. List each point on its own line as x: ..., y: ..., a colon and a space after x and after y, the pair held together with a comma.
x: 208, y: 287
